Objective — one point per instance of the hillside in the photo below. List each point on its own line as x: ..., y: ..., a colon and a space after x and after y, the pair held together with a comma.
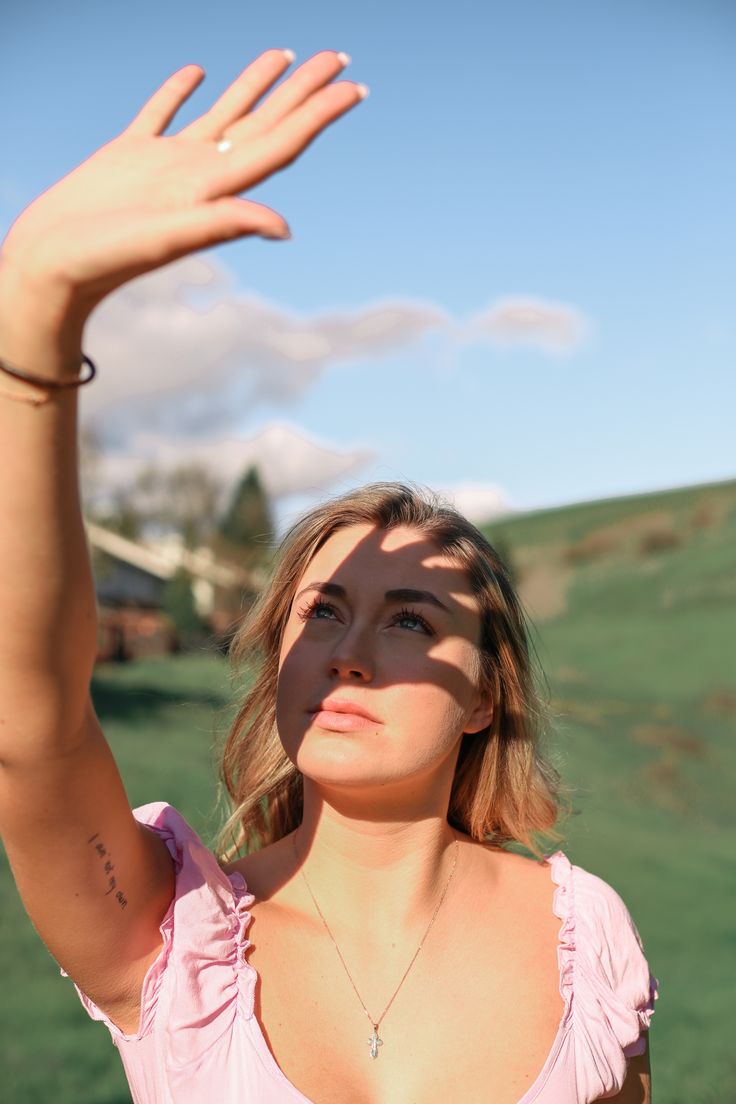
x: 634, y: 603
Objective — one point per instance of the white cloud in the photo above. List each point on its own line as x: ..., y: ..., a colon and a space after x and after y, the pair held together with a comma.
x: 182, y: 351
x: 289, y: 461
x: 552, y: 327
x: 479, y: 502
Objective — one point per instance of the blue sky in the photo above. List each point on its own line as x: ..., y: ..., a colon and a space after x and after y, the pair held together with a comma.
x: 512, y: 267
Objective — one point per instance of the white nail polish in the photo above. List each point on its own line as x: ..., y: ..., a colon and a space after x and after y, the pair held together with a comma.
x: 289, y: 55
x: 344, y: 58
x: 363, y: 90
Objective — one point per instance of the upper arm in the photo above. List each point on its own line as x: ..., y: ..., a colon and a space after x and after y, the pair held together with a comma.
x: 638, y: 1084
x: 95, y: 883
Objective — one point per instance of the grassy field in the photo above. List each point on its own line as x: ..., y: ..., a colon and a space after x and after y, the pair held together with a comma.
x: 634, y: 603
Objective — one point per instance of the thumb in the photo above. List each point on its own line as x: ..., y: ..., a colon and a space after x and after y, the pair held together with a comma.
x: 243, y: 216
x: 217, y: 221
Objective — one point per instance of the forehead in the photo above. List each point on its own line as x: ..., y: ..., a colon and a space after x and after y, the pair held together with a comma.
x: 366, y: 558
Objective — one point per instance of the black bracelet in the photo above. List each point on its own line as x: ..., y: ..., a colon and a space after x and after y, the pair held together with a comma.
x: 51, y: 384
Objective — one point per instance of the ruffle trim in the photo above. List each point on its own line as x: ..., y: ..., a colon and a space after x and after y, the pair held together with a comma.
x: 563, y: 906
x: 224, y: 948
x: 609, y: 1019
x: 245, y: 975
x: 644, y: 1015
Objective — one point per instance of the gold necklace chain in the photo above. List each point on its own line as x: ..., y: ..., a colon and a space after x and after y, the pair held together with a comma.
x: 374, y: 1041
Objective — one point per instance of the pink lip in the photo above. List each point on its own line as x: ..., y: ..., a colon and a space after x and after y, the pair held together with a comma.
x: 342, y: 716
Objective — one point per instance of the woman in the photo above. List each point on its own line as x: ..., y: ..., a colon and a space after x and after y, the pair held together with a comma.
x: 384, y: 755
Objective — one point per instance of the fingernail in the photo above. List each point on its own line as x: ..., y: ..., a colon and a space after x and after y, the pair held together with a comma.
x: 277, y: 235
x: 289, y: 55
x: 344, y: 58
x: 363, y: 90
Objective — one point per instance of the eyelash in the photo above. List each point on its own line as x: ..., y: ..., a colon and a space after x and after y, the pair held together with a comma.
x: 309, y: 611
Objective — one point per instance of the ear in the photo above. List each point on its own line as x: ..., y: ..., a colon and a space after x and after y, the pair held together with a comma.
x: 481, y: 716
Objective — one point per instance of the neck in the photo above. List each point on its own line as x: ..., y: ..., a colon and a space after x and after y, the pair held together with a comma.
x: 389, y: 861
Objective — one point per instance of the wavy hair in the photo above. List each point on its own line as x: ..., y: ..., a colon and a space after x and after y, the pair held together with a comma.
x: 504, y: 788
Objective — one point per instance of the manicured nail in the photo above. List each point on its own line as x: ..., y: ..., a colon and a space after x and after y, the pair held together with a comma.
x: 363, y: 90
x: 289, y: 55
x: 344, y: 58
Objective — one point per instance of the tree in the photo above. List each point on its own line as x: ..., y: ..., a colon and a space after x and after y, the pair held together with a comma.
x: 122, y: 515
x: 245, y: 532
x: 181, y: 607
x: 184, y: 499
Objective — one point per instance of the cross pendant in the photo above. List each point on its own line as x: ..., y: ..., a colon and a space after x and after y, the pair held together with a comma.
x: 375, y: 1042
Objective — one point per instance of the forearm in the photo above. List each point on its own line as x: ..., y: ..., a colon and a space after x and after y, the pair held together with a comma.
x: 47, y: 602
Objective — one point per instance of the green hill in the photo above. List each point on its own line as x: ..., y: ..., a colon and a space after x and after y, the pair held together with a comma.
x: 634, y: 603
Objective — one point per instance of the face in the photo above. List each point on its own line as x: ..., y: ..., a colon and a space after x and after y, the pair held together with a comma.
x: 378, y: 675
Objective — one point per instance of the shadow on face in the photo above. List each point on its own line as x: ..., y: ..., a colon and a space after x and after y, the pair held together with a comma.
x: 380, y: 666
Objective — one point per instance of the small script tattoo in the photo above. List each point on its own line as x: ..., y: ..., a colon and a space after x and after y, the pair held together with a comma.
x: 108, y: 868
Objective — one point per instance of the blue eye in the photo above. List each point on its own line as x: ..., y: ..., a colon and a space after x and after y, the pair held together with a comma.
x: 411, y: 615
x: 317, y: 610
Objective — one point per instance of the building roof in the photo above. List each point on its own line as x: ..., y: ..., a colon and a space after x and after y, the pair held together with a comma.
x: 163, y: 558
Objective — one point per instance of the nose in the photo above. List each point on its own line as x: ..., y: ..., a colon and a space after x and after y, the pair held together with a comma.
x: 352, y: 656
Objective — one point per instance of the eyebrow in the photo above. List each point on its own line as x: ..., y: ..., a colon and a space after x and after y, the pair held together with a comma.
x: 401, y: 594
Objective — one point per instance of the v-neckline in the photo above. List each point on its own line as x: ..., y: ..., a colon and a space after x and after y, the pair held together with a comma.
x: 272, y: 1066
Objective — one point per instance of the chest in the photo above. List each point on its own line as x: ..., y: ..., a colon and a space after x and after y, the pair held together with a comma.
x: 474, y: 1019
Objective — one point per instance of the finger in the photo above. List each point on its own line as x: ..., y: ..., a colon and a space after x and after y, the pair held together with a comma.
x: 303, y: 83
x: 240, y: 97
x: 206, y: 225
x: 158, y: 112
x: 253, y: 161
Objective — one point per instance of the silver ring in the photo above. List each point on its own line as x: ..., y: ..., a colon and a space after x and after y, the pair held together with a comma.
x: 224, y: 145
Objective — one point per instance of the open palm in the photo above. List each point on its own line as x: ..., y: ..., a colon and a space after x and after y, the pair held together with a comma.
x: 143, y: 200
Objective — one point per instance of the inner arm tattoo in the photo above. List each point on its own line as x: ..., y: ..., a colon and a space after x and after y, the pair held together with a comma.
x: 108, y: 867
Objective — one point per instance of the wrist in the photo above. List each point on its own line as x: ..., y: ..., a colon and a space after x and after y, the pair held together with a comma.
x: 41, y: 328
x: 48, y: 298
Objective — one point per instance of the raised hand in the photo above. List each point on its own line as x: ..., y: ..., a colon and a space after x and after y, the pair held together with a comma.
x: 143, y: 200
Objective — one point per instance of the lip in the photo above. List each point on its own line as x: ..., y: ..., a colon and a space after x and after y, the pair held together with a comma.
x: 339, y: 707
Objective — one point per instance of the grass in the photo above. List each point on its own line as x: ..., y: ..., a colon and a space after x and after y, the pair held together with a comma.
x: 639, y: 654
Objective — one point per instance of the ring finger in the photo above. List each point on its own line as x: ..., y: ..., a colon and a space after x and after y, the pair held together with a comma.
x: 240, y: 96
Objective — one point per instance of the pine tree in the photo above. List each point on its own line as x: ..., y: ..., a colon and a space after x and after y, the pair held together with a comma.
x: 246, y: 530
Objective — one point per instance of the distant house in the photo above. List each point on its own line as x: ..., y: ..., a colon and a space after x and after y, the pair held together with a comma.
x: 130, y: 584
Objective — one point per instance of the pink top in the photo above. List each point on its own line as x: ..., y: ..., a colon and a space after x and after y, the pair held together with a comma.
x: 198, y: 1038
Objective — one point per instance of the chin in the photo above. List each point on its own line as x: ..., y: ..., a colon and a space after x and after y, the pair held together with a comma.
x: 337, y: 760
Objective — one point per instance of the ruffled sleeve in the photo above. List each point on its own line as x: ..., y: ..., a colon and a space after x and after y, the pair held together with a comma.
x: 194, y: 988
x: 603, y: 967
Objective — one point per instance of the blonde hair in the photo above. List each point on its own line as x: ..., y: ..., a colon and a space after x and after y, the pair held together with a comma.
x: 504, y: 789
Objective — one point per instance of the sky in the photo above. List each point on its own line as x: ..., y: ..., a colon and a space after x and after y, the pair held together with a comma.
x: 512, y: 270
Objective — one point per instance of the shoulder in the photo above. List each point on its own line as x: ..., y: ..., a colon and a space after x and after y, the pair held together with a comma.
x: 516, y: 893
x: 266, y: 871
x: 512, y: 876
x: 605, y: 974
x: 601, y: 915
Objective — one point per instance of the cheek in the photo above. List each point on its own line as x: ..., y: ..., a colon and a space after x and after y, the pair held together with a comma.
x: 456, y: 672
x: 294, y: 655
x: 426, y: 715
